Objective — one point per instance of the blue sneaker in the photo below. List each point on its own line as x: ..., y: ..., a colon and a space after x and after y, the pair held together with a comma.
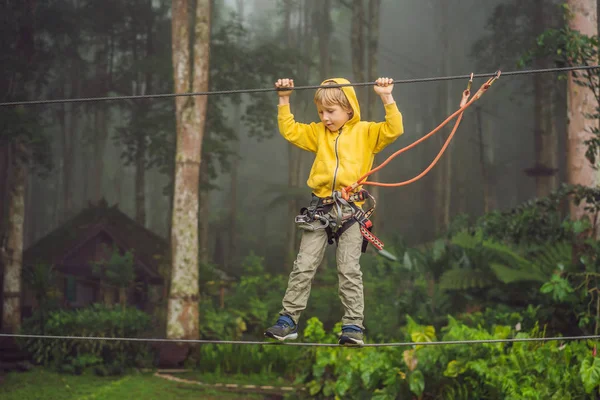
x: 352, y: 335
x: 283, y: 329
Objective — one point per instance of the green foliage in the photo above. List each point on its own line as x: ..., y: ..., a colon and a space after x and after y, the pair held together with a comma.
x: 559, y: 288
x: 257, y: 296
x: 218, y: 324
x: 524, y: 370
x: 41, y: 280
x: 118, y: 269
x: 70, y: 355
x: 523, y: 257
x: 534, y: 222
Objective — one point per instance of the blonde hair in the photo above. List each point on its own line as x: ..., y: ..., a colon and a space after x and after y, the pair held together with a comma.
x: 332, y: 96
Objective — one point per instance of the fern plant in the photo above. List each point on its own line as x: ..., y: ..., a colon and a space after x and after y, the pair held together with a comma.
x: 484, y: 263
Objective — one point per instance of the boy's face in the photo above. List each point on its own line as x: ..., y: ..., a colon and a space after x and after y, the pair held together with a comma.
x: 333, y: 116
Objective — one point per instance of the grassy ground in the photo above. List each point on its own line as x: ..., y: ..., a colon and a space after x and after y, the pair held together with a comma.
x: 42, y: 384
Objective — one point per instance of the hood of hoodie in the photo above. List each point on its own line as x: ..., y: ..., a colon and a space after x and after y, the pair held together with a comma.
x: 352, y: 99
x: 340, y: 162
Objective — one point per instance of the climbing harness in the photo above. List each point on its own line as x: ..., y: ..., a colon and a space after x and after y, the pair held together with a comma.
x: 328, y: 213
x: 335, y: 215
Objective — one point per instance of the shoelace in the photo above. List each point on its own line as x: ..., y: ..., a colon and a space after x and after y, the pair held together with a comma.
x: 283, y: 324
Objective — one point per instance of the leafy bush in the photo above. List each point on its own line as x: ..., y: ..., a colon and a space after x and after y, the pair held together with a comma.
x: 523, y: 370
x: 71, y: 355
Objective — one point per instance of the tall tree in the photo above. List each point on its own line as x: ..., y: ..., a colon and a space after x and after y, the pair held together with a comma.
x: 358, y: 44
x: 486, y: 160
x: 11, y: 250
x: 21, y: 140
x: 374, y: 8
x: 543, y: 180
x: 233, y: 194
x: 581, y: 103
x: 324, y: 30
x: 443, y: 184
x: 190, y: 43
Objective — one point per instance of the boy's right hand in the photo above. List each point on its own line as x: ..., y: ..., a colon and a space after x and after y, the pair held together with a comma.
x: 284, y: 83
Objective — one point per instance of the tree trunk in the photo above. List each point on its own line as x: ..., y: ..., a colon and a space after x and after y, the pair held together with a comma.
x: 123, y: 297
x: 292, y: 236
x: 12, y: 246
x: 324, y: 29
x: 373, y: 45
x: 486, y: 160
x: 100, y: 138
x: 203, y: 212
x: 140, y: 181
x: 231, y: 254
x: 182, y: 313
x: 4, y: 187
x: 545, y: 146
x: 444, y: 169
x: 293, y: 154
x: 358, y: 45
x: 144, y: 110
x: 100, y: 122
x: 68, y: 124
x: 581, y: 101
x: 550, y: 146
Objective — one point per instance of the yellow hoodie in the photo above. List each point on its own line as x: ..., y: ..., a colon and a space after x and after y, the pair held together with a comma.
x: 343, y: 156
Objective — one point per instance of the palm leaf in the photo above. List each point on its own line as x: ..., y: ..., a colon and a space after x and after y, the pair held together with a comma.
x: 510, y: 275
x: 462, y: 278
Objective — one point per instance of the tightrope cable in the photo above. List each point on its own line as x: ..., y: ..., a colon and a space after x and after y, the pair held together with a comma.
x: 272, y: 89
x: 307, y: 344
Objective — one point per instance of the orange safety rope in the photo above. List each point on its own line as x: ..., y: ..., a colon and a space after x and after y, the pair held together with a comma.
x: 464, y: 104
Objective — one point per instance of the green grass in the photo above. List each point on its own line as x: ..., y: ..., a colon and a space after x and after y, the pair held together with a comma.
x: 254, y: 379
x: 42, y: 384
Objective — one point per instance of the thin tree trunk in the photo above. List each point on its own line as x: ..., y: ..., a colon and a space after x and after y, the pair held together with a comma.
x: 35, y: 214
x: 100, y: 139
x: 358, y: 45
x: 292, y: 236
x: 141, y: 149
x: 68, y: 123
x: 140, y: 181
x: 12, y: 247
x: 4, y: 186
x: 543, y: 141
x: 293, y: 154
x: 203, y: 212
x: 231, y: 254
x: 102, y: 114
x: 324, y: 29
x: 550, y: 146
x: 373, y: 46
x: 486, y: 155
x: 182, y: 314
x: 581, y: 101
x: 444, y: 170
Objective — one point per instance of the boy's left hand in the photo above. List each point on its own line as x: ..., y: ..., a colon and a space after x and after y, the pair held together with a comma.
x: 383, y: 86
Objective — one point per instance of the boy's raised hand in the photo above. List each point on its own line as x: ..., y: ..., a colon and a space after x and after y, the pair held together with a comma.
x: 284, y: 83
x: 383, y: 86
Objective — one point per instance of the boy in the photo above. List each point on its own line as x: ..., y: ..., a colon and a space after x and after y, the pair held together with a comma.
x: 344, y: 148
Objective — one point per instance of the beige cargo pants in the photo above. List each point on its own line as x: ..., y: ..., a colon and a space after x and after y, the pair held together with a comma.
x: 310, y: 255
